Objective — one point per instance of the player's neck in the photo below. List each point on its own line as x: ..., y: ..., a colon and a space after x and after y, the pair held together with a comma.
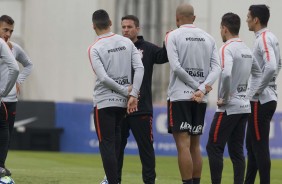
x: 258, y: 28
x: 102, y: 31
x: 229, y: 37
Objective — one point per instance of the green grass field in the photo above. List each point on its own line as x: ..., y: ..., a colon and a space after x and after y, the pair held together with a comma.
x: 62, y: 168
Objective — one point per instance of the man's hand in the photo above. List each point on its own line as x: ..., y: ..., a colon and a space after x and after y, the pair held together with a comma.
x: 220, y: 102
x: 198, y: 96
x: 10, y: 45
x: 132, y: 104
x: 208, y: 88
x: 18, y: 88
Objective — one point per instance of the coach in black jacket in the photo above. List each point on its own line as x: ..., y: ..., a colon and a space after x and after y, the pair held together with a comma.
x: 140, y: 122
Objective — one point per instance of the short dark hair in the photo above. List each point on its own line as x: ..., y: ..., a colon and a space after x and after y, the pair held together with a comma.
x: 7, y: 19
x: 232, y: 21
x: 101, y: 19
x: 131, y: 17
x: 261, y: 11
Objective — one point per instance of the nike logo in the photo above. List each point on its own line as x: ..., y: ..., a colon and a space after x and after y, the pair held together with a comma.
x: 24, y: 122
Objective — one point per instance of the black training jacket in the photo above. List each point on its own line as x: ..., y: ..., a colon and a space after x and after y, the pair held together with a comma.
x: 150, y: 54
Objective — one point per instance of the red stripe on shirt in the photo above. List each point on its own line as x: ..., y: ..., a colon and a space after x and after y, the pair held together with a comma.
x: 265, y: 46
x: 166, y: 37
x: 222, y: 53
x: 256, y: 121
x: 219, y: 120
x: 98, y: 125
x: 92, y: 46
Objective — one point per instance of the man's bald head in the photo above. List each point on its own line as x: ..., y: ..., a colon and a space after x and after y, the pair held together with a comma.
x: 184, y: 14
x: 185, y: 10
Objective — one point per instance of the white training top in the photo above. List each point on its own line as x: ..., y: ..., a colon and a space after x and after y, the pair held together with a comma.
x: 7, y: 60
x: 22, y: 58
x: 194, y: 62
x: 112, y: 58
x: 237, y: 65
x: 267, y: 52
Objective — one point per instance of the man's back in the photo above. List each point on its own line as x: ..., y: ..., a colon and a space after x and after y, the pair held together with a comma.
x: 195, y: 51
x: 267, y: 53
x: 237, y: 65
x: 113, y: 56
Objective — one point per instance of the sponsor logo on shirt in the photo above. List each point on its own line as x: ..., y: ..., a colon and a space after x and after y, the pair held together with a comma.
x: 246, y: 106
x: 188, y: 92
x: 117, y: 100
x: 242, y: 88
x: 246, y: 56
x: 122, y: 80
x: 195, y: 39
x: 195, y: 72
x: 273, y: 79
x: 117, y: 49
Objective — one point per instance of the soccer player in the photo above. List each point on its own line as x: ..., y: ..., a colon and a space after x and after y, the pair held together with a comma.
x: 140, y: 122
x: 112, y: 58
x: 10, y: 71
x: 267, y: 52
x: 229, y: 122
x: 10, y: 102
x: 194, y: 62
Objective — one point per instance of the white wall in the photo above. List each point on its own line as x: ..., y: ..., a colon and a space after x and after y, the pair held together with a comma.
x: 57, y: 33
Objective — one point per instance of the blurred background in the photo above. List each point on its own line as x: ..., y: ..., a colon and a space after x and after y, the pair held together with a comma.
x: 55, y: 108
x: 57, y: 33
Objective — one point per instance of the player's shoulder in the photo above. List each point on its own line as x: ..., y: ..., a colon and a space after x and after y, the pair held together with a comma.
x: 207, y: 35
x: 15, y: 45
x: 2, y: 41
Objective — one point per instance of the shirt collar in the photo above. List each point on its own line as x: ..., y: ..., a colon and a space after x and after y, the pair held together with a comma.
x: 105, y: 35
x: 260, y: 31
x: 233, y: 40
x: 188, y: 25
x: 139, y: 41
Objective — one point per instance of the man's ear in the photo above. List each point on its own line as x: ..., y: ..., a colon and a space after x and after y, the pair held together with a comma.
x: 94, y: 26
x: 110, y: 23
x: 256, y: 20
x: 225, y: 29
x: 194, y: 18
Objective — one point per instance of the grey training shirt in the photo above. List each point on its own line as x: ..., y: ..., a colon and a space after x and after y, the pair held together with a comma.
x: 238, y: 65
x: 22, y: 58
x: 267, y: 52
x: 112, y: 58
x: 194, y: 62
x: 7, y: 60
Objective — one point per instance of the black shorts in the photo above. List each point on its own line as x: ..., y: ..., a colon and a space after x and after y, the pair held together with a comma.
x: 186, y: 116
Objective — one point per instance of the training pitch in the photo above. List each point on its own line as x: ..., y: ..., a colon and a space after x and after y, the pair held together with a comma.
x: 63, y: 168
